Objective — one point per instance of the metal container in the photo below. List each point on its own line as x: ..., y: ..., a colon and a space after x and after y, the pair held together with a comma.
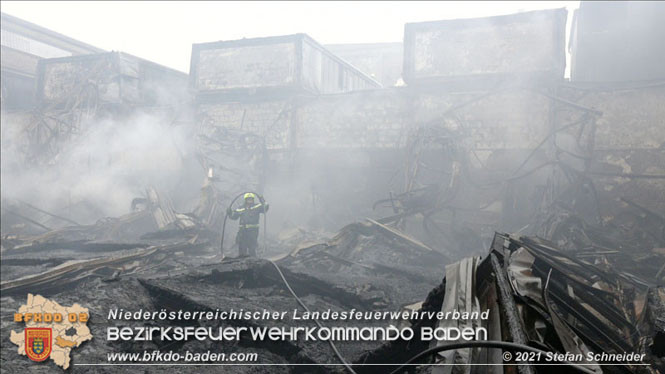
x: 279, y: 64
x: 530, y: 43
x: 618, y: 41
x: 113, y: 77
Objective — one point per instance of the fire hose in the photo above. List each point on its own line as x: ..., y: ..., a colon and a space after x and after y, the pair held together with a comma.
x: 226, y: 216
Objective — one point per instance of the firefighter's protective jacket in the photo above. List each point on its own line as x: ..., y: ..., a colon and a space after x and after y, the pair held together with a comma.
x: 249, y: 216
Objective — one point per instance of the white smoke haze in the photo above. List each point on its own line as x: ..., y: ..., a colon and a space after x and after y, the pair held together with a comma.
x: 107, y: 166
x: 114, y: 160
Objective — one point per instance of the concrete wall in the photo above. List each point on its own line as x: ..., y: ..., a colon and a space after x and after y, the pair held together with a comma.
x: 360, y: 142
x: 629, y: 140
x: 633, y: 118
x: 260, y: 118
x: 369, y: 120
x: 382, y: 119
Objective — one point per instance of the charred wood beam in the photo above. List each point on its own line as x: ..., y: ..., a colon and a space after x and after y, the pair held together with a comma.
x: 172, y: 300
x: 397, y: 217
x: 404, y: 237
x: 66, y: 276
x: 29, y: 220
x: 50, y: 214
x: 62, y: 277
x: 77, y: 246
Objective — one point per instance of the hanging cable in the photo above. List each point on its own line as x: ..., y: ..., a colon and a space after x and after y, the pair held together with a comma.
x: 447, y: 347
x: 332, y: 345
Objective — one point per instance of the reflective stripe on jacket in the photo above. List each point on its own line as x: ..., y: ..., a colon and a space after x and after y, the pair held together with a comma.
x: 249, y: 217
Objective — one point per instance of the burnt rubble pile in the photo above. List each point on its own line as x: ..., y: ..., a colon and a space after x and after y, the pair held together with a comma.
x: 118, y: 175
x: 151, y: 213
x: 380, y: 265
x: 152, y: 231
x: 545, y: 298
x: 366, y: 266
x: 539, y: 295
x: 187, y: 275
x: 631, y: 242
x: 381, y: 262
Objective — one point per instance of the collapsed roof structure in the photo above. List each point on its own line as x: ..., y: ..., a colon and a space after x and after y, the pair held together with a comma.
x: 486, y: 138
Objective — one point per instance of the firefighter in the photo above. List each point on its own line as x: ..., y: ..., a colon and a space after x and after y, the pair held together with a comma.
x: 248, y: 227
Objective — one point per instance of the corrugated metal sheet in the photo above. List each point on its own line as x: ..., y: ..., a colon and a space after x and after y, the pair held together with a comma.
x: 28, y: 45
x: 34, y: 39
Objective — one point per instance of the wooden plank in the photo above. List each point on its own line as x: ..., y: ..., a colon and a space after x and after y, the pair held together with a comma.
x: 401, y: 235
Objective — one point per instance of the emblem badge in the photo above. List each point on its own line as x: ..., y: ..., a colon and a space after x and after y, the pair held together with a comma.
x: 38, y: 343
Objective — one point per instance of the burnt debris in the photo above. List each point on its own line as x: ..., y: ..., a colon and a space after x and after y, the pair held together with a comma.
x: 484, y: 180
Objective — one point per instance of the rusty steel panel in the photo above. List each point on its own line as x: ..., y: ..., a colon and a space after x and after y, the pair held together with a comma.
x: 518, y: 44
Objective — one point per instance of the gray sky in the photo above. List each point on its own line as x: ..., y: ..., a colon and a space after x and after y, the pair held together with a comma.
x: 163, y: 32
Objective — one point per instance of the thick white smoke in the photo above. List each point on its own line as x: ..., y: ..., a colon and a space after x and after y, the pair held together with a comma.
x: 105, y: 167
